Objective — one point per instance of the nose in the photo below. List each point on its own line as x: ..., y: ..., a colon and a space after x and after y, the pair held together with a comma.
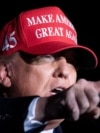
x: 61, y: 68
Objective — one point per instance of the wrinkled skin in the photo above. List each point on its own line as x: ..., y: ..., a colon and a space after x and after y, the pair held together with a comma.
x: 41, y: 77
x: 81, y: 98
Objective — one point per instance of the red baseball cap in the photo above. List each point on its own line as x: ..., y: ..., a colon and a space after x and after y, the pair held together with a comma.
x: 41, y: 31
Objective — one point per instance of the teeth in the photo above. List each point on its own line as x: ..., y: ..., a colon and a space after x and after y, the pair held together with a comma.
x: 59, y: 89
x: 53, y: 93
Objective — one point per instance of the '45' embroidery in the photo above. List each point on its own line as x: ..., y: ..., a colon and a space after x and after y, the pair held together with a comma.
x: 9, y: 42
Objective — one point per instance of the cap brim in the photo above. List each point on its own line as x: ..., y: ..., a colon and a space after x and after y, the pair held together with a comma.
x: 86, y: 58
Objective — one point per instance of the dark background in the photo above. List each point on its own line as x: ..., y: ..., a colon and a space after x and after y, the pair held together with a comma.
x: 85, y: 17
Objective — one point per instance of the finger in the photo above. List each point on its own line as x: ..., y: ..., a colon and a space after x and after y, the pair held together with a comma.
x: 96, y: 113
x: 82, y: 101
x: 93, y: 98
x: 71, y: 103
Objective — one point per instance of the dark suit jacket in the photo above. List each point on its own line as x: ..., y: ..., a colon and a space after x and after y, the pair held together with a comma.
x: 13, y: 113
x: 56, y: 130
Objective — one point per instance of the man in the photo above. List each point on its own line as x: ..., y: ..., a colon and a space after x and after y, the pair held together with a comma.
x: 39, y: 60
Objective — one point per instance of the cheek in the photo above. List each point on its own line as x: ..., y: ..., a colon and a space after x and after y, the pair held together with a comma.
x: 73, y: 77
x: 37, y: 80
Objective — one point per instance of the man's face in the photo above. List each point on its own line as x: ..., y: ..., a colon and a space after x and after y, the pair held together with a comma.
x: 43, y: 75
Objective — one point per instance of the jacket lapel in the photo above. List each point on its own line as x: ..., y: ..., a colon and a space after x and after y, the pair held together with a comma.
x: 58, y: 130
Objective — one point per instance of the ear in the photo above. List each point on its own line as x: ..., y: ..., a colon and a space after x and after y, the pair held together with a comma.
x: 4, y: 77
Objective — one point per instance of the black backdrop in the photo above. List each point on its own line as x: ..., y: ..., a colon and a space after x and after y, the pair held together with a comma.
x: 85, y: 17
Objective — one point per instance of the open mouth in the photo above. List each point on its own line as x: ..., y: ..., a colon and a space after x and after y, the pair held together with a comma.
x: 57, y: 90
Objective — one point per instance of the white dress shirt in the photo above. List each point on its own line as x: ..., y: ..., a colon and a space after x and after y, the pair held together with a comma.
x: 29, y: 122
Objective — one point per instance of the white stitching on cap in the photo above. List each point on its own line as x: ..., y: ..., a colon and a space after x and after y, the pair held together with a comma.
x: 9, y: 39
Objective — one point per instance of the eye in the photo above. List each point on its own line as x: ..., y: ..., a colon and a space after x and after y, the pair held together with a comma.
x: 48, y: 56
x: 44, y: 59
